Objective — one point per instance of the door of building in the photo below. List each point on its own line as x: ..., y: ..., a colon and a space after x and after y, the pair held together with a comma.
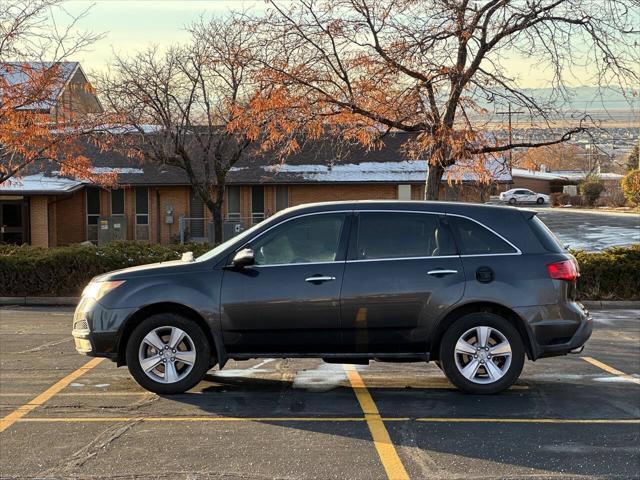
x: 13, y: 222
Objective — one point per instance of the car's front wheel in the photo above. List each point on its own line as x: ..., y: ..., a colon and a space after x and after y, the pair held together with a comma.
x: 512, y: 201
x: 540, y: 201
x: 482, y: 353
x: 168, y: 354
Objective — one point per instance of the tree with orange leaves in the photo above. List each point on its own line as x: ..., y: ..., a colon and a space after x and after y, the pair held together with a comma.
x: 32, y: 136
x: 361, y: 68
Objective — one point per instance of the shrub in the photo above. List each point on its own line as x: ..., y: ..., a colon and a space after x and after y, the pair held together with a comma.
x: 591, y: 189
x: 612, y: 274
x: 631, y: 187
x: 64, y: 271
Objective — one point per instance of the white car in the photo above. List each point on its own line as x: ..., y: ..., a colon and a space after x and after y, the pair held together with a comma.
x: 522, y: 195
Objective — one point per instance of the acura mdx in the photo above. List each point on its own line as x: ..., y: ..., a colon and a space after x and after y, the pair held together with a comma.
x: 474, y: 288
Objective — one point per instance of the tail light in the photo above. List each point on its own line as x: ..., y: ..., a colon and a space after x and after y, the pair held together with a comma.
x: 564, y: 270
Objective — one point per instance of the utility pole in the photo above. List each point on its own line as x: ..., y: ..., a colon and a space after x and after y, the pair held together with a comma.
x: 510, y: 113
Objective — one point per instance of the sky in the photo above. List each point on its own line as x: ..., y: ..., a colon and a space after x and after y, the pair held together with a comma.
x: 133, y: 25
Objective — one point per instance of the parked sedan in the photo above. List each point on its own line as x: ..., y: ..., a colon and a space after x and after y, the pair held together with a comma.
x: 522, y: 195
x: 475, y: 288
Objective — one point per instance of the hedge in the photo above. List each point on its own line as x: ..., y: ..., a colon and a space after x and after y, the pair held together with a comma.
x: 64, y: 271
x: 613, y: 274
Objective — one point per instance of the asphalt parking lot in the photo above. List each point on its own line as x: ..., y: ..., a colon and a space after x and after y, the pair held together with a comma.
x: 65, y: 415
x: 591, y: 230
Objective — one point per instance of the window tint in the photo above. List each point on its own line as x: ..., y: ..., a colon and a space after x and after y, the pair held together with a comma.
x: 233, y: 199
x: 474, y: 239
x: 313, y: 238
x: 546, y: 237
x: 398, y: 235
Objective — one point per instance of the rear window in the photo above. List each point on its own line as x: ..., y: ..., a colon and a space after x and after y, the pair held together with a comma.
x: 475, y: 239
x: 546, y: 237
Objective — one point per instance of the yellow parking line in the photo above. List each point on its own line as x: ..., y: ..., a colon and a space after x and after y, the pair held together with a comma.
x: 386, y: 450
x: 20, y: 412
x: 611, y: 370
x: 531, y: 420
x: 211, y: 419
x: 190, y: 419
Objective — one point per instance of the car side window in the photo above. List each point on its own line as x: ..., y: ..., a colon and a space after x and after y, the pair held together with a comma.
x: 387, y: 235
x: 474, y: 239
x: 308, y: 239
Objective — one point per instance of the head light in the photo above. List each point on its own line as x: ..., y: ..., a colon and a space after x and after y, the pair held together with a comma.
x: 97, y: 290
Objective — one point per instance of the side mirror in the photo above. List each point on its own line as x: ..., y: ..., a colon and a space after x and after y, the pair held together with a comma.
x: 243, y: 258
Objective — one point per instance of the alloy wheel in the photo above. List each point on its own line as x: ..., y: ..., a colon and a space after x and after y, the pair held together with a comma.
x: 483, y: 355
x: 167, y: 354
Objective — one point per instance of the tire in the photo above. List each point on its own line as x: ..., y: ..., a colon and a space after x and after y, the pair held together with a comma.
x: 193, y: 348
x: 512, y: 201
x: 540, y: 201
x: 505, y: 367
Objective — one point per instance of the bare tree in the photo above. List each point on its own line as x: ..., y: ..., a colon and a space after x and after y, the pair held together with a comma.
x: 362, y: 68
x: 177, y: 105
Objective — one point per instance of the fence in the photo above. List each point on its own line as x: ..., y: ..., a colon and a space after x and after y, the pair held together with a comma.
x: 201, y: 230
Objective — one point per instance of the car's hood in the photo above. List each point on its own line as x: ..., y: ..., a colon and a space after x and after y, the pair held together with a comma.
x: 160, y: 268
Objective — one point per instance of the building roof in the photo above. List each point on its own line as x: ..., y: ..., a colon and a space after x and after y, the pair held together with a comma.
x: 315, y: 163
x: 39, y: 184
x: 17, y: 73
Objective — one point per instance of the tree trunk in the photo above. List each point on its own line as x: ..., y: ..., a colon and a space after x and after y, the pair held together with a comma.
x: 216, y: 213
x: 434, y: 179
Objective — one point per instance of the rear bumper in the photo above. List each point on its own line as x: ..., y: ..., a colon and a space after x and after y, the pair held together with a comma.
x: 557, y: 329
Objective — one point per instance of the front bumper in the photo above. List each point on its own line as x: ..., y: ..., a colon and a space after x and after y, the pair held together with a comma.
x: 96, y: 329
x: 557, y: 329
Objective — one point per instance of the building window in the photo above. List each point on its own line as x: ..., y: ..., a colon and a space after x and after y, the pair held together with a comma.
x: 93, y: 213
x: 257, y: 204
x: 142, y: 213
x: 142, y: 206
x: 282, y: 197
x: 117, y: 202
x: 233, y: 203
x: 93, y: 206
x: 404, y: 192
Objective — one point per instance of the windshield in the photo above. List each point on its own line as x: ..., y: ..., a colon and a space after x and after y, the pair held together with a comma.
x: 238, y: 238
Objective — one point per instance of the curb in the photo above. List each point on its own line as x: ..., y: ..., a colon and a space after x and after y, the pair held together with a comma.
x: 606, y: 304
x: 73, y: 301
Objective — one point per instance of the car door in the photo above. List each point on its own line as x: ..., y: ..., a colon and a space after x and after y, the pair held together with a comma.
x: 289, y: 300
x: 402, y: 272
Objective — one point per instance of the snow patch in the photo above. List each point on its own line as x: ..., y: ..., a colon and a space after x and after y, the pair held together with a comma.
x: 322, y: 379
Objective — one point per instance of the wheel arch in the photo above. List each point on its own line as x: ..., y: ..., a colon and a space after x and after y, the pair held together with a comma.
x: 217, y: 349
x: 479, y: 307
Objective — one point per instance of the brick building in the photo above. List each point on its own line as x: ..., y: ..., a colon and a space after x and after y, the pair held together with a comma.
x: 152, y: 198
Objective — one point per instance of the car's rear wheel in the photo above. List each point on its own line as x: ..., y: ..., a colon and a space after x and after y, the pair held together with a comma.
x: 167, y: 354
x: 512, y: 201
x: 482, y: 353
x: 540, y: 201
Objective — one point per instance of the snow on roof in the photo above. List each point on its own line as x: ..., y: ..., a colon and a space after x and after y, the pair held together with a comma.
x: 39, y: 183
x: 524, y: 173
x: 562, y: 175
x: 128, y: 170
x: 401, y: 171
x: 16, y: 73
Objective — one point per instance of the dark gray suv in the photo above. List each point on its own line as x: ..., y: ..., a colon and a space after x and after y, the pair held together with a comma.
x: 474, y: 288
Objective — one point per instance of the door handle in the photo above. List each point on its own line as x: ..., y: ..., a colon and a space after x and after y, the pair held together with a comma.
x: 441, y: 272
x: 319, y: 279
